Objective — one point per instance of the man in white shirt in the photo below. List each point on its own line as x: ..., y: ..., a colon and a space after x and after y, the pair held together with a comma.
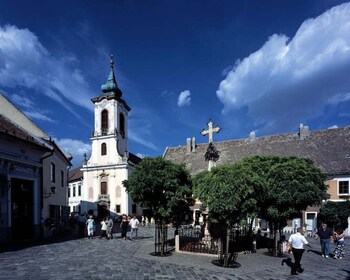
x: 297, y: 242
x: 134, y: 224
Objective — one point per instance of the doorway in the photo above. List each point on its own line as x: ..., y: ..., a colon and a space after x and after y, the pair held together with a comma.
x: 22, y: 209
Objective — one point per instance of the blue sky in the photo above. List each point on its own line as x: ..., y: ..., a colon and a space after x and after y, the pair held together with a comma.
x: 263, y: 66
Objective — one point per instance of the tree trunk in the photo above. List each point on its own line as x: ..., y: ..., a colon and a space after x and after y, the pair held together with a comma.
x: 227, y: 253
x: 275, y: 240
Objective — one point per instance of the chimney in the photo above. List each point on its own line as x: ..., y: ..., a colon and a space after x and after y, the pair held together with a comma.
x: 193, y: 144
x: 188, y: 145
x: 252, y: 136
x: 303, y: 131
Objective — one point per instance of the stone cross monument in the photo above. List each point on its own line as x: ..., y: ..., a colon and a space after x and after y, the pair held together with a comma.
x: 210, y: 131
x: 212, y: 155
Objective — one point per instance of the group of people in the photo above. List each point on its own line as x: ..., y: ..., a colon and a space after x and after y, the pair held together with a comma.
x: 107, y: 227
x: 297, y: 241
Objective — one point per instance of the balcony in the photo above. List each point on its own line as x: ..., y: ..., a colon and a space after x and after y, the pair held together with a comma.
x: 103, y: 197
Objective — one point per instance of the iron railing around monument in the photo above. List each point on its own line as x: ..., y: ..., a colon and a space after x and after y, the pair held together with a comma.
x: 193, y: 239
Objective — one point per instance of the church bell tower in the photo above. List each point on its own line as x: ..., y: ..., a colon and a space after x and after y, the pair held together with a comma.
x: 108, y: 166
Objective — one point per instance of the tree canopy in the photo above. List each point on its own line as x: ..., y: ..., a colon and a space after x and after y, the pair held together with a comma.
x: 335, y: 214
x: 164, y: 188
x: 227, y: 191
x: 271, y: 187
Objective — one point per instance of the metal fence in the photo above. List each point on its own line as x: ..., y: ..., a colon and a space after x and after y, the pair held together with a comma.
x: 194, y: 240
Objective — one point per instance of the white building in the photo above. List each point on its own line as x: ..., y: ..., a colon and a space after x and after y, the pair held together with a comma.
x: 33, y: 178
x: 110, y: 162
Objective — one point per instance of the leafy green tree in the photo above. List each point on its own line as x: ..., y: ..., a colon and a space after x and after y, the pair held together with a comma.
x: 335, y: 214
x: 164, y: 188
x: 284, y: 187
x: 227, y: 192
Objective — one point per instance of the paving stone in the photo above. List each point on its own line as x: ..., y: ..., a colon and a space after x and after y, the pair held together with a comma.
x: 129, y: 260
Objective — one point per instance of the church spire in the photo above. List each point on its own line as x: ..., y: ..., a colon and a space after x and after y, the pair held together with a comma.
x: 110, y: 88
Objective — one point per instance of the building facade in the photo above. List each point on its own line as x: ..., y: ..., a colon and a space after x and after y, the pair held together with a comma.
x: 110, y: 162
x: 329, y: 149
x: 33, y: 178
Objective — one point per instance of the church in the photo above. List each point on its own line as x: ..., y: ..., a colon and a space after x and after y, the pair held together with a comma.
x: 97, y: 186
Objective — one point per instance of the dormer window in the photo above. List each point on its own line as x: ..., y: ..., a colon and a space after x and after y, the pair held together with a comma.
x: 104, y: 122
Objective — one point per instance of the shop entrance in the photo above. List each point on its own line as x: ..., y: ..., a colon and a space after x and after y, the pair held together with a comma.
x: 22, y: 208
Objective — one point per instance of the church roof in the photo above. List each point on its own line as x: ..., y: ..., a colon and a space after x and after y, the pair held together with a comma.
x: 329, y: 149
x: 110, y: 89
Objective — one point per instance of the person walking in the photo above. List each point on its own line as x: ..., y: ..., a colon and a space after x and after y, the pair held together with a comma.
x: 90, y: 224
x: 339, y: 251
x: 124, y: 226
x: 296, y: 242
x: 104, y: 228
x: 325, y: 235
x: 134, y: 224
x: 81, y: 224
x: 109, y: 223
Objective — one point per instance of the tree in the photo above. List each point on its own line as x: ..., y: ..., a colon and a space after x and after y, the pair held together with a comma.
x: 285, y: 186
x: 335, y: 214
x: 164, y: 188
x: 227, y: 192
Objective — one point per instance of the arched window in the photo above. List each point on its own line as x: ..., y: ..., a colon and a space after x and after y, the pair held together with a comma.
x: 91, y: 193
x: 122, y: 125
x: 103, y: 187
x: 104, y: 122
x: 103, y: 149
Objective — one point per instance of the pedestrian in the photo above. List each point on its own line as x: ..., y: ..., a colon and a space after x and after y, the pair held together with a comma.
x: 296, y: 242
x: 325, y: 235
x: 82, y: 224
x: 339, y: 251
x: 109, y: 223
x: 90, y: 224
x: 124, y: 226
x: 134, y: 224
x: 104, y: 228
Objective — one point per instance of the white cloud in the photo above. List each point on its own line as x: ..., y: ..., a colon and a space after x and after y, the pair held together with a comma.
x: 333, y: 127
x: 184, y: 99
x: 75, y: 147
x: 287, y: 81
x: 141, y: 140
x: 25, y: 62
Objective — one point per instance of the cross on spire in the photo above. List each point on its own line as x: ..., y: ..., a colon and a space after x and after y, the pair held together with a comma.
x: 210, y: 130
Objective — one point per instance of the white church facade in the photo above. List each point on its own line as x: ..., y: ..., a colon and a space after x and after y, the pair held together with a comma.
x: 110, y: 163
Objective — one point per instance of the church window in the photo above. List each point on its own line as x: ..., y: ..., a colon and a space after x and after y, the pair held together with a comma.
x: 103, y: 187
x: 68, y: 192
x: 79, y: 190
x: 117, y: 208
x: 133, y: 208
x: 91, y: 193
x: 118, y: 191
x: 122, y: 125
x: 103, y: 149
x: 104, y: 122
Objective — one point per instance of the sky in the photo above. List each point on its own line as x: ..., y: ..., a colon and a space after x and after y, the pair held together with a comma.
x: 262, y: 66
